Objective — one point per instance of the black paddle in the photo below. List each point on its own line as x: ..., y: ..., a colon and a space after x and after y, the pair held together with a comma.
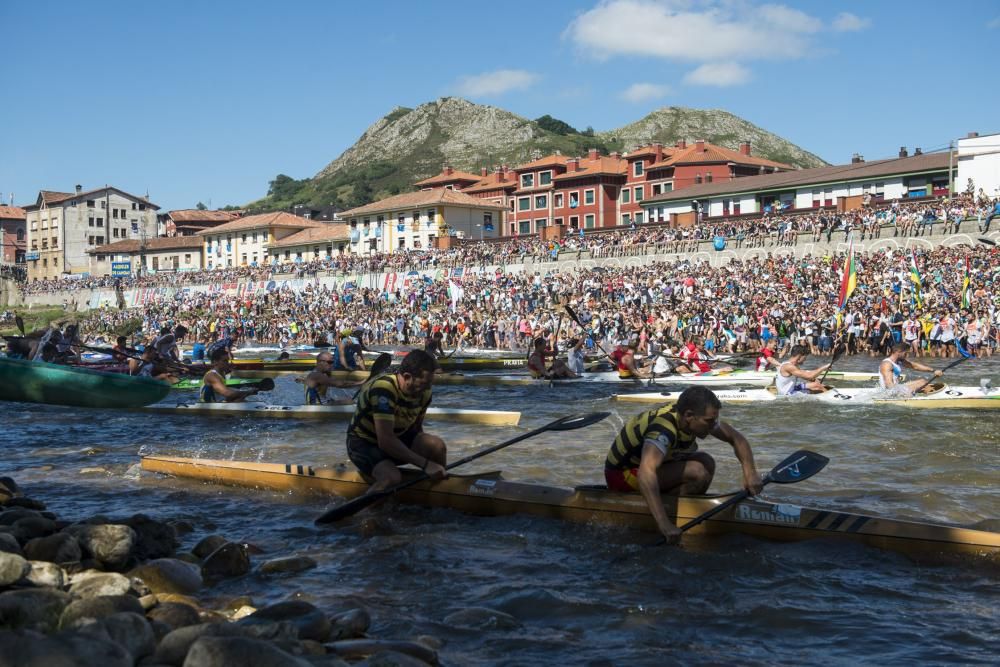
x: 19, y: 323
x: 800, y: 466
x: 983, y: 239
x: 569, y: 423
x: 948, y: 367
x: 842, y: 347
x: 379, y: 367
x: 267, y: 384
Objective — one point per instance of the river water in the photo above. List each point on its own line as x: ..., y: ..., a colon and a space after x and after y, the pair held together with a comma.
x: 567, y: 594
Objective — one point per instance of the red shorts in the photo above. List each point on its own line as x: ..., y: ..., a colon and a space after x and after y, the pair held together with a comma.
x: 624, y: 481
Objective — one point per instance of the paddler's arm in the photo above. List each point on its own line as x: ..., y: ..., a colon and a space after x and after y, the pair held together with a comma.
x: 751, y: 478
x: 231, y: 395
x: 394, y: 447
x: 649, y: 487
x: 324, y: 380
x: 808, y: 375
x: 917, y: 366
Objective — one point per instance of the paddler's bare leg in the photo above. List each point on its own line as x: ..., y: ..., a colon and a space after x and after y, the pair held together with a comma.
x: 689, y: 477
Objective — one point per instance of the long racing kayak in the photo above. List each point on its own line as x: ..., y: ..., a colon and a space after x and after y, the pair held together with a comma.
x: 939, y: 396
x: 491, y: 495
x: 36, y: 382
x: 266, y: 411
x: 189, y: 384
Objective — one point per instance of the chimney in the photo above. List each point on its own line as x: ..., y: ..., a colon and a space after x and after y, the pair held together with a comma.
x: 448, y: 170
x: 483, y: 172
x: 681, y: 144
x: 700, y: 145
x: 972, y: 135
x: 592, y: 153
x: 917, y: 151
x: 572, y: 165
x: 657, y: 151
x: 902, y: 151
x: 856, y: 158
x: 79, y: 189
x: 745, y: 148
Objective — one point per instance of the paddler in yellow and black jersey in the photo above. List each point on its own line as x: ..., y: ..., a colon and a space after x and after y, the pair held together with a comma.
x: 656, y: 453
x: 388, y: 425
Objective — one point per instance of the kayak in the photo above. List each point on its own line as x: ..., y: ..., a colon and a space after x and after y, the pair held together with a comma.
x: 34, y: 382
x: 491, y: 495
x: 939, y: 396
x: 266, y: 411
x: 189, y: 384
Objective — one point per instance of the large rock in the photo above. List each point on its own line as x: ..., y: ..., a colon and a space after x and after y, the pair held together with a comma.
x: 9, y: 484
x: 12, y: 516
x: 174, y: 614
x: 27, y: 503
x: 288, y: 565
x: 226, y: 651
x: 96, y: 584
x: 350, y: 624
x: 154, y: 539
x: 12, y: 568
x: 46, y: 574
x: 63, y: 650
x: 308, y: 621
x: 80, y: 612
x: 229, y: 560
x: 173, y: 648
x: 208, y: 544
x: 169, y: 575
x: 109, y: 544
x: 31, y: 527
x: 9, y: 544
x: 33, y: 608
x: 128, y: 630
x: 58, y: 548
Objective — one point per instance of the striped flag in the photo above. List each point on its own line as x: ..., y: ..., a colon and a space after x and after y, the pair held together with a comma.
x: 850, y: 280
x: 918, y: 283
x: 966, y: 283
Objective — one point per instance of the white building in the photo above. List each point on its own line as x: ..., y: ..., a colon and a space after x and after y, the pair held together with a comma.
x: 979, y: 161
x: 134, y: 257
x: 415, y: 219
x: 321, y: 242
x: 246, y: 241
x: 64, y: 226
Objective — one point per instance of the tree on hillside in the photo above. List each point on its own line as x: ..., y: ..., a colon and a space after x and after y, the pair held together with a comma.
x: 555, y: 125
x: 201, y: 207
x: 284, y: 187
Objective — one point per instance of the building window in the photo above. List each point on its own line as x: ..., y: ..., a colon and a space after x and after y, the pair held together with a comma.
x: 114, y: 232
x: 133, y: 206
x: 638, y: 193
x: 668, y: 187
x: 541, y: 222
x: 525, y: 227
x: 626, y: 218
x: 100, y: 222
x: 55, y: 261
x: 541, y: 201
x: 559, y: 222
x: 588, y: 221
x: 20, y: 233
x: 91, y: 203
x: 527, y: 180
x: 638, y: 217
x: 588, y: 196
x: 244, y: 239
x: 142, y: 207
x: 114, y: 213
x: 544, y: 178
x: 488, y: 221
x: 100, y: 240
x: 557, y: 200
x: 104, y: 204
x: 574, y: 222
x: 638, y: 168
x: 254, y: 237
x: 656, y: 189
x: 431, y: 213
x: 187, y: 259
x: 524, y: 204
x: 708, y: 177
x: 626, y: 196
x: 697, y: 179
x: 90, y: 221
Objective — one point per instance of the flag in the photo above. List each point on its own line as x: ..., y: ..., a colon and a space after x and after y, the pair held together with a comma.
x: 966, y: 282
x: 850, y: 280
x: 455, y: 293
x: 918, y: 283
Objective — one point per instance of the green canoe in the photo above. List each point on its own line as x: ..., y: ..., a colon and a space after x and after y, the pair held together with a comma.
x: 195, y: 383
x: 35, y: 382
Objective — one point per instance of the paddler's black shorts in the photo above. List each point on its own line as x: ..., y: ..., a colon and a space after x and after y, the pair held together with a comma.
x: 366, y: 455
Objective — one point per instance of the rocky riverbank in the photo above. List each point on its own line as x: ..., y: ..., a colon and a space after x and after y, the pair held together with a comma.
x: 118, y: 592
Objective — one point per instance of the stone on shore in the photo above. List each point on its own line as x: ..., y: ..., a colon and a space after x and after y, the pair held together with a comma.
x: 33, y: 608
x: 169, y: 575
x: 109, y: 544
x: 12, y: 516
x: 9, y: 544
x: 360, y: 648
x: 288, y: 565
x: 31, y: 527
x: 173, y: 648
x: 308, y: 621
x: 207, y: 545
x: 62, y: 650
x: 350, y: 624
x: 27, y: 503
x: 46, y: 574
x: 130, y: 631
x: 229, y: 560
x: 154, y: 539
x: 94, y: 584
x: 58, y: 548
x: 80, y: 612
x: 226, y: 651
x: 175, y: 614
x: 12, y: 568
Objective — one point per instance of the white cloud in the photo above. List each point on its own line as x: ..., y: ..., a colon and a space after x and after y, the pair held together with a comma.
x: 847, y: 22
x: 719, y: 30
x: 497, y: 82
x: 718, y: 74
x: 643, y: 92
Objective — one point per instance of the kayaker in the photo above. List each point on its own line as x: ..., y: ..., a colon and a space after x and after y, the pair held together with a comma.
x: 891, y: 370
x: 387, y: 429
x: 120, y: 351
x: 213, y: 384
x: 433, y: 344
x: 791, y: 379
x: 146, y: 366
x: 575, y: 356
x: 166, y: 343
x: 538, y: 369
x: 656, y: 453
x: 319, y: 380
x: 767, y: 359
x: 627, y: 366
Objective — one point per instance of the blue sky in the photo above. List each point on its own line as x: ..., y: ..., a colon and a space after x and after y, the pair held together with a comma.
x: 208, y: 101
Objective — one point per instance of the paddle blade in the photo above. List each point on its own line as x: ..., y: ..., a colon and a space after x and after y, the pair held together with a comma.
x: 573, y: 422
x: 983, y: 239
x: 801, y: 465
x: 380, y: 365
x: 267, y: 384
x: 572, y: 314
x: 19, y: 322
x: 351, y: 508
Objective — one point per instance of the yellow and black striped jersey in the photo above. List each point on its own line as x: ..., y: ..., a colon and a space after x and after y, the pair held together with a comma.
x: 383, y: 399
x: 658, y: 426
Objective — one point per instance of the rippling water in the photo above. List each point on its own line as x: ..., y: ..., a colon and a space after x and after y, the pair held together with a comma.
x: 572, y: 596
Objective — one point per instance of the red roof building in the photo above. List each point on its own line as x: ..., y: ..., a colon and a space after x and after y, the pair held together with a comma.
x: 12, y: 234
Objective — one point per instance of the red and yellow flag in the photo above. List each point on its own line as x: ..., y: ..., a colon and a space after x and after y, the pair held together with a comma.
x: 850, y: 280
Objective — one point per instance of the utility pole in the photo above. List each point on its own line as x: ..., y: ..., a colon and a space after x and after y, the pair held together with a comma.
x: 951, y: 176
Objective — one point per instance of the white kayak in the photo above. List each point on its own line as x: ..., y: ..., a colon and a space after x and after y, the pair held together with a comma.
x: 939, y: 395
x: 267, y: 411
x: 734, y: 378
